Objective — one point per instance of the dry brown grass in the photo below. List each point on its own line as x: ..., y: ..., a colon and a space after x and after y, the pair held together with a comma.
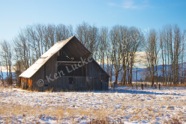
x: 176, y: 85
x: 97, y: 116
x: 98, y: 121
x: 173, y: 121
x: 3, y: 87
x: 49, y: 90
x: 60, y: 113
x: 148, y: 84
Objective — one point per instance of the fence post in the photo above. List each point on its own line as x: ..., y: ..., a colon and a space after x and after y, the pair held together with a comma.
x: 142, y: 86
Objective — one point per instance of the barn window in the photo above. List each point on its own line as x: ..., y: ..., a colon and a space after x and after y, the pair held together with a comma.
x: 71, y: 80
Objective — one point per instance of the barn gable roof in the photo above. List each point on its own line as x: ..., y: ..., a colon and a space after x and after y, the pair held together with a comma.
x: 79, y: 51
x: 44, y: 58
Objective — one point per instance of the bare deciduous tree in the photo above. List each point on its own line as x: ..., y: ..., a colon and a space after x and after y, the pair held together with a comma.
x: 103, y: 45
x: 6, y: 58
x: 152, y: 54
x: 116, y: 57
x: 135, y: 39
x: 88, y: 35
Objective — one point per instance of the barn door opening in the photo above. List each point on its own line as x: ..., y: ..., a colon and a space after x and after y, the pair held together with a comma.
x: 71, y: 83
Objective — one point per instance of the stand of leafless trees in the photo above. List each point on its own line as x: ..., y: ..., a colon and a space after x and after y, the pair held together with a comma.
x: 172, y: 54
x: 114, y: 48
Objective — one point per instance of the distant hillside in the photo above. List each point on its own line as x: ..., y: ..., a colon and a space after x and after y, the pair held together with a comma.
x: 4, y: 75
x: 142, y: 72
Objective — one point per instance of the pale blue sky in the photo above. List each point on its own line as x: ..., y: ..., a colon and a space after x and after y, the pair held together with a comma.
x: 144, y: 14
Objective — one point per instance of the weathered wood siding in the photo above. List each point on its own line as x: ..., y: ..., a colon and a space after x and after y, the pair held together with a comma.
x: 97, y: 77
x: 62, y: 83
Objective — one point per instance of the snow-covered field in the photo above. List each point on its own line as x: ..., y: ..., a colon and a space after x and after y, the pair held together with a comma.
x: 122, y: 105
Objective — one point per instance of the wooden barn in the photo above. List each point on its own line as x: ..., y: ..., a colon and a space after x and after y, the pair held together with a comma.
x: 66, y: 66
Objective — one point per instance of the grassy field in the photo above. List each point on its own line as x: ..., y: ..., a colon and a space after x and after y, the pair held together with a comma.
x: 122, y: 105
